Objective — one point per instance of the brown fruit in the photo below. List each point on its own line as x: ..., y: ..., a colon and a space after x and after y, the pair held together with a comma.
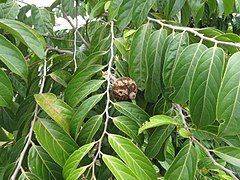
x: 124, y: 89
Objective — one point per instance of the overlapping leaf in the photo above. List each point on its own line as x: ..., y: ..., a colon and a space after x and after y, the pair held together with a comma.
x: 13, y: 58
x: 26, y: 35
x: 205, y: 86
x: 118, y: 168
x: 41, y: 164
x: 54, y: 140
x: 6, y: 93
x: 82, y: 112
x: 184, y: 165
x: 228, y: 99
x: 174, y: 49
x: 9, y: 10
x: 153, y: 59
x: 137, y: 61
x: 183, y: 72
x: 114, y: 8
x: 56, y: 109
x: 137, y: 162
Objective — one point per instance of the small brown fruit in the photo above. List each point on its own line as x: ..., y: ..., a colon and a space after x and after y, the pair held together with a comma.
x: 124, y: 89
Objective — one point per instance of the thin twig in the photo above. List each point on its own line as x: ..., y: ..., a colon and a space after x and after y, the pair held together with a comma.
x: 30, y: 133
x: 196, y: 33
x: 75, y: 37
x: 71, y: 24
x: 207, y: 152
x: 60, y: 51
x: 108, y: 102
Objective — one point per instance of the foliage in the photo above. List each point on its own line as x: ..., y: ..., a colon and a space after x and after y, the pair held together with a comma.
x: 58, y: 119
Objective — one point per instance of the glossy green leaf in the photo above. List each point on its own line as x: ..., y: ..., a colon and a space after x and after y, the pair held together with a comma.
x: 153, y: 59
x: 3, y: 136
x: 140, y: 11
x: 195, y: 5
x: 13, y: 58
x: 132, y: 111
x: 113, y: 9
x: 68, y: 7
x: 56, y: 109
x: 128, y: 126
x: 42, y: 20
x: 77, y: 81
x: 183, y: 72
x: 9, y: 10
x: 137, y: 162
x: 28, y: 176
x: 157, y: 140
x: 84, y: 90
x: 82, y: 112
x: 229, y: 154
x: 184, y: 165
x: 137, y: 61
x: 174, y: 49
x: 228, y: 7
x: 228, y: 98
x: 205, y: 86
x: 26, y: 35
x: 124, y: 14
x: 89, y: 129
x: 61, y: 76
x: 157, y: 120
x: 97, y: 9
x: 220, y: 8
x: 118, y: 168
x: 175, y: 7
x: 75, y: 158
x: 41, y: 164
x: 6, y: 93
x: 121, y: 48
x: 77, y: 173
x: 58, y: 144
x: 184, y: 133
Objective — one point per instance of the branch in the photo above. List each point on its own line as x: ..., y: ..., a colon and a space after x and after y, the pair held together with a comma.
x: 207, y: 152
x: 30, y: 133
x: 71, y: 24
x: 196, y: 33
x: 108, y: 77
x: 60, y: 51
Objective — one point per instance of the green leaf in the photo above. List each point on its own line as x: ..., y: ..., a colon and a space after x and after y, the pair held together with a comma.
x: 205, y: 86
x: 68, y: 7
x: 183, y: 72
x: 175, y: 7
x: 42, y: 20
x: 3, y: 136
x: 84, y: 90
x: 157, y: 120
x: 184, y: 165
x: 228, y: 7
x: 124, y: 14
x: 195, y: 5
x: 157, y: 140
x: 118, y: 42
x: 6, y: 93
x: 118, y: 168
x: 137, y: 162
x: 72, y: 91
x: 56, y: 109
x: 153, y: 59
x: 13, y: 58
x: 113, y: 9
x: 75, y: 158
x: 77, y: 173
x: 97, y: 9
x: 140, y: 11
x: 58, y: 144
x: 9, y: 10
x: 128, y: 126
x: 82, y: 112
x: 61, y: 76
x: 228, y: 98
x: 137, y: 61
x: 132, y: 111
x: 89, y: 129
x: 26, y: 35
x: 174, y: 49
x: 42, y: 164
x: 229, y: 154
x: 28, y: 176
x: 184, y: 133
x: 220, y: 8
